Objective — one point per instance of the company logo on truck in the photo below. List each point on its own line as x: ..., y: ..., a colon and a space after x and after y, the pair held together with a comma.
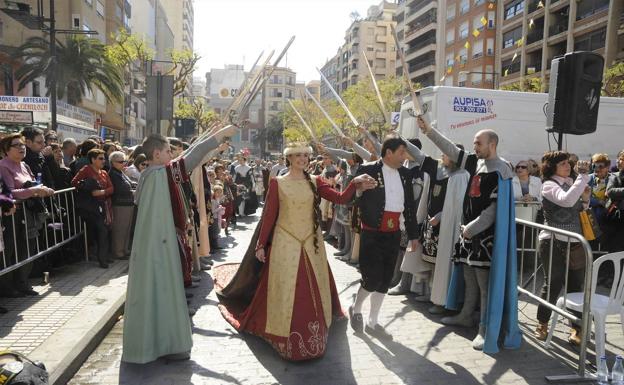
x: 475, y: 105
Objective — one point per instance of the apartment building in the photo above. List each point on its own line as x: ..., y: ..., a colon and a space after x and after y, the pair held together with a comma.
x: 222, y: 86
x: 533, y: 32
x: 468, y: 36
x: 371, y: 38
x: 313, y: 87
x: 418, y: 32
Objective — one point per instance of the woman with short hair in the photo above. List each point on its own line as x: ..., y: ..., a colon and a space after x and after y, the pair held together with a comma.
x: 20, y: 182
x: 93, y: 201
x: 563, y: 200
x: 123, y: 206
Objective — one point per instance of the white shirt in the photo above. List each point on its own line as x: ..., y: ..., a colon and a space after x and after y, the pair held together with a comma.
x: 395, y: 196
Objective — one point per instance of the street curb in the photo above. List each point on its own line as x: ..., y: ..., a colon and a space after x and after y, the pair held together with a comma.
x: 79, y: 337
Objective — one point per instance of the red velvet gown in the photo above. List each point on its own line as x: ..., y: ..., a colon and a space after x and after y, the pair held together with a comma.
x: 296, y: 297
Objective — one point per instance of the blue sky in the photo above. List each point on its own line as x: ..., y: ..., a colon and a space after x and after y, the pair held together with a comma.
x: 233, y: 32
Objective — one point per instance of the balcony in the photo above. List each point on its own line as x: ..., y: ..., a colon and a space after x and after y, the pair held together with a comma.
x: 535, y: 36
x: 420, y: 45
x: 415, y: 8
x: 558, y: 28
x: 418, y: 65
x: 535, y: 5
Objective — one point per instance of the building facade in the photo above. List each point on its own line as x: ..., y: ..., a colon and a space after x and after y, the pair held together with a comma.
x: 467, y: 30
x: 222, y: 86
x: 533, y: 32
x: 280, y: 86
x: 418, y: 33
x: 366, y: 39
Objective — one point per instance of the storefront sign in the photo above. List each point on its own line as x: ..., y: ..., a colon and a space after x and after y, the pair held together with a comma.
x: 16, y: 117
x: 24, y: 103
x: 74, y: 112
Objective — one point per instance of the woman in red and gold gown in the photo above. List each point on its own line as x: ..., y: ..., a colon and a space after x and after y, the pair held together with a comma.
x: 284, y: 290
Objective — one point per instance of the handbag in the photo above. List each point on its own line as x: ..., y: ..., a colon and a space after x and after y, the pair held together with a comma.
x: 589, y: 225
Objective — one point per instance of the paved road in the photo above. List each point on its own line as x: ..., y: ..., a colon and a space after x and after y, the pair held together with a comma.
x: 423, y: 351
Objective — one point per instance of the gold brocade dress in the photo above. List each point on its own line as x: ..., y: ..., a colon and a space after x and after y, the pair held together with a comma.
x: 296, y: 296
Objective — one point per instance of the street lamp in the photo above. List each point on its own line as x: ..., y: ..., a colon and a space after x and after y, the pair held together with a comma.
x: 483, y: 73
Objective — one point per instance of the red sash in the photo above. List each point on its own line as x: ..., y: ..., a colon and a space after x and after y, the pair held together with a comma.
x: 389, y: 223
x: 176, y: 175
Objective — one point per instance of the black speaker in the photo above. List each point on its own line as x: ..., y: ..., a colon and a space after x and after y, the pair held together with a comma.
x: 574, y: 93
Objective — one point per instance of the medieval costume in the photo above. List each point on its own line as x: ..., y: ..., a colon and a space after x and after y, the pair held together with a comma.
x: 445, y: 191
x: 156, y: 317
x: 381, y: 211
x: 290, y: 299
x: 486, y: 260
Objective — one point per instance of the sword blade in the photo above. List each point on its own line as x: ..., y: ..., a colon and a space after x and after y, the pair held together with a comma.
x: 339, y: 99
x: 381, y: 102
x: 417, y: 108
x: 331, y: 121
x: 292, y: 105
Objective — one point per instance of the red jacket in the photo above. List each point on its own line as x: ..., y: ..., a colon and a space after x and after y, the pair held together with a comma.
x: 101, y: 176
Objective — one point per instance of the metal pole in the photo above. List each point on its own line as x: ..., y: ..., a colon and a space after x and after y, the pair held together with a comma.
x: 158, y: 100
x: 52, y: 90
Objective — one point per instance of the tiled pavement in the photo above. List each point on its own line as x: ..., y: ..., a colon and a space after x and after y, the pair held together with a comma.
x: 423, y: 351
x: 32, y: 320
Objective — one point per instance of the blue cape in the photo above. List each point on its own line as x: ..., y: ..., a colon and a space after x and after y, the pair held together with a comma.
x: 502, y: 306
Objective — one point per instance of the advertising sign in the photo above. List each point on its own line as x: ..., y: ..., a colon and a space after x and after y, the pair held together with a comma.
x: 16, y: 117
x: 24, y: 103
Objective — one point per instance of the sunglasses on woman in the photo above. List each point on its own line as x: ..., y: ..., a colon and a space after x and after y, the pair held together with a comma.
x: 521, y: 167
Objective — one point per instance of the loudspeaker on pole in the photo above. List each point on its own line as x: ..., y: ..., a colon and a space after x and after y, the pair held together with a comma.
x: 574, y: 93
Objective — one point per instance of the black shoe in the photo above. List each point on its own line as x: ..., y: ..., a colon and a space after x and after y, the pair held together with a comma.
x: 3, y: 310
x: 29, y: 292
x: 178, y: 356
x: 379, y: 332
x: 104, y: 265
x: 356, y: 320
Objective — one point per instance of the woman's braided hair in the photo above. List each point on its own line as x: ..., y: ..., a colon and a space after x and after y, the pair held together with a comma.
x: 316, y: 209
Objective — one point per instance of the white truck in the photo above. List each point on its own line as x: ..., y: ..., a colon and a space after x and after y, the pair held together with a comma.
x: 519, y: 118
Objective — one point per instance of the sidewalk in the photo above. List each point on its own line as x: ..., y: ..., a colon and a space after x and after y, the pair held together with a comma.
x: 68, y: 319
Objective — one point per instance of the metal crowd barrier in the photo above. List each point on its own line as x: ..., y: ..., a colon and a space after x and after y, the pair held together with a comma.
x: 61, y: 226
x: 523, y: 284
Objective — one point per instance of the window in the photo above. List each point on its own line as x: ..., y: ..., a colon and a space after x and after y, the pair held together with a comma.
x: 118, y: 12
x: 464, y: 6
x: 490, y: 47
x: 99, y: 8
x: 1, y: 30
x: 276, y: 79
x: 276, y: 93
x: 463, y: 30
x: 450, y: 12
x: 491, y: 20
x: 476, y: 77
x: 463, y: 56
x: 477, y: 24
x: 36, y: 88
x: 370, y: 48
x: 510, y: 38
x: 591, y: 41
x: 380, y: 63
x: 274, y: 106
x: 462, y: 79
x: 514, y: 8
x: 477, y: 49
x: 289, y: 94
x: 450, y: 60
x: 450, y: 36
x: 586, y: 8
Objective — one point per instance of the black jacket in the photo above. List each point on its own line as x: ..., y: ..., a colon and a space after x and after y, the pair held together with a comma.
x: 615, y: 190
x: 123, y: 194
x: 372, y: 202
x: 38, y: 165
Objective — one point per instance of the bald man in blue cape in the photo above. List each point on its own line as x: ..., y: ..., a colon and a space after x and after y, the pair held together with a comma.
x: 486, y: 253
